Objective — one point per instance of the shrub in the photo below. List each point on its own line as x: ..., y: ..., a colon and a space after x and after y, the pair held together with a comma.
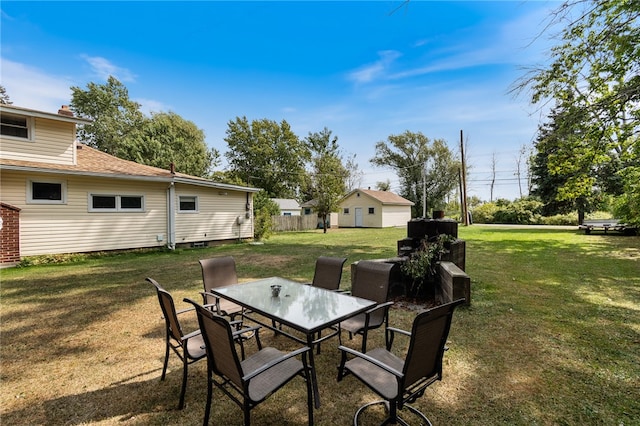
x: 484, y: 213
x: 561, y: 219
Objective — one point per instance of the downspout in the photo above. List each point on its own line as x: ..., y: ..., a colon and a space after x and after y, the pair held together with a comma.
x: 171, y: 217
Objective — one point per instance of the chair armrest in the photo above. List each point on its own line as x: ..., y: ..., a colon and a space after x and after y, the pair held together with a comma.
x: 190, y: 335
x: 245, y: 330
x: 381, y: 305
x: 276, y: 361
x: 399, y: 331
x: 185, y: 310
x: 372, y: 360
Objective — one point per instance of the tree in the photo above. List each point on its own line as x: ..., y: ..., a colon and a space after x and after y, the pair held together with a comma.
x: 521, y: 167
x: 267, y: 155
x: 553, y: 167
x: 116, y: 118
x: 119, y: 128
x: 594, y: 79
x: 4, y: 97
x: 354, y: 175
x: 383, y: 185
x: 328, y: 174
x: 407, y: 154
x: 167, y: 138
x: 493, y: 175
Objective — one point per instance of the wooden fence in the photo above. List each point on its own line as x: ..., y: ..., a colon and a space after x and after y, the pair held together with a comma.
x: 294, y: 223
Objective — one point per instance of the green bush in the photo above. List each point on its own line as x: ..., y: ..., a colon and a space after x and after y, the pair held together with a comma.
x: 484, y: 213
x: 263, y: 208
x: 561, y: 219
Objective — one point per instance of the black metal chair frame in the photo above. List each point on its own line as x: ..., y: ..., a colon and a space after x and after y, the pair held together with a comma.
x: 415, y: 374
x: 239, y: 392
x: 176, y: 340
x: 380, y: 271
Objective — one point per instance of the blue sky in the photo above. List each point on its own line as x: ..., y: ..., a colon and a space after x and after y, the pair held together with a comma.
x: 365, y: 70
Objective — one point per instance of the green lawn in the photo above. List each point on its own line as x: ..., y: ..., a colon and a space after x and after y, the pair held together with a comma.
x: 552, y: 335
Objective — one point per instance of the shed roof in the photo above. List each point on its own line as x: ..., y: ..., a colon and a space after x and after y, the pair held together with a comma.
x: 384, y: 197
x: 287, y: 203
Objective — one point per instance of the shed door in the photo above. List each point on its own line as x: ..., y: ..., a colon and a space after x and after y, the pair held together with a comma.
x: 358, y: 217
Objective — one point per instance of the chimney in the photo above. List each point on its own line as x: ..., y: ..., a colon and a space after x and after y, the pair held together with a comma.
x: 64, y: 110
x: 172, y: 168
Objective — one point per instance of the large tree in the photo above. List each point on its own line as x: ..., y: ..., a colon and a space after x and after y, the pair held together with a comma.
x: 419, y: 162
x: 167, y: 138
x: 121, y: 129
x: 328, y: 174
x: 551, y: 170
x: 267, y: 155
x: 115, y: 117
x: 594, y: 78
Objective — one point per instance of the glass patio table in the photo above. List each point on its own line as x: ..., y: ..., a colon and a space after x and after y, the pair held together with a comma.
x: 303, y: 308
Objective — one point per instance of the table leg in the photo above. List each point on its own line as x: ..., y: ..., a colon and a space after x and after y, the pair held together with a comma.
x: 314, y: 379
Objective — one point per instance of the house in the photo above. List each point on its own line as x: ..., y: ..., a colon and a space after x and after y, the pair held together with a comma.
x: 373, y: 209
x: 66, y: 197
x: 288, y: 206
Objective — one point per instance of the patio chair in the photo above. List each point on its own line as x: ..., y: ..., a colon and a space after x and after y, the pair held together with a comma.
x: 219, y: 272
x: 371, y: 282
x: 188, y: 347
x: 401, y: 381
x: 248, y: 382
x: 327, y: 275
x: 328, y: 272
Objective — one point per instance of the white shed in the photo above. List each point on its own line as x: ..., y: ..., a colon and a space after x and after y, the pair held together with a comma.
x: 365, y: 208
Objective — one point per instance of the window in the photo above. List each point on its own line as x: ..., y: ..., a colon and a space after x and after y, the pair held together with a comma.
x: 307, y: 210
x: 46, y: 192
x: 372, y: 210
x: 286, y: 214
x: 15, y: 126
x: 116, y: 203
x: 187, y: 204
x: 345, y: 210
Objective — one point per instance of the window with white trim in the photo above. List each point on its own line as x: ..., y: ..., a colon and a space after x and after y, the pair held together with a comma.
x: 345, y: 210
x: 187, y: 204
x: 46, y: 192
x: 16, y: 126
x: 372, y: 210
x: 116, y: 203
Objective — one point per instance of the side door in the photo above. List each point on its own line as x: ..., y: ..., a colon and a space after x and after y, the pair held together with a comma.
x: 358, y: 223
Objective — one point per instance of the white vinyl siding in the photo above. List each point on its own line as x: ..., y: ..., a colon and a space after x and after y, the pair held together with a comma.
x: 383, y: 216
x: 52, y: 229
x: 217, y: 216
x: 53, y: 143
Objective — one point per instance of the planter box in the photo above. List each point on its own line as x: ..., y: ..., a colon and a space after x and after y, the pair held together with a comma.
x: 453, y: 284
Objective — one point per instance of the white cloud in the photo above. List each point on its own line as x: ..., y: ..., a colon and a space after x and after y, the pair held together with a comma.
x: 30, y: 87
x: 147, y: 106
x: 103, y: 68
x: 376, y: 70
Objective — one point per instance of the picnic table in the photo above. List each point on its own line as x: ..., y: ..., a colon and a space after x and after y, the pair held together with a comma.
x: 606, y: 225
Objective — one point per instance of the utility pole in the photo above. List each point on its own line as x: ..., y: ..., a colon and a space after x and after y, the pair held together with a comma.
x: 424, y: 191
x: 465, y: 212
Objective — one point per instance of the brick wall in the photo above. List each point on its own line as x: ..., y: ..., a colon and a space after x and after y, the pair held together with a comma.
x: 9, y: 234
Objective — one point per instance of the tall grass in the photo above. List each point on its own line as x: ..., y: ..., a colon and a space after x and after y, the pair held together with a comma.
x: 552, y: 335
